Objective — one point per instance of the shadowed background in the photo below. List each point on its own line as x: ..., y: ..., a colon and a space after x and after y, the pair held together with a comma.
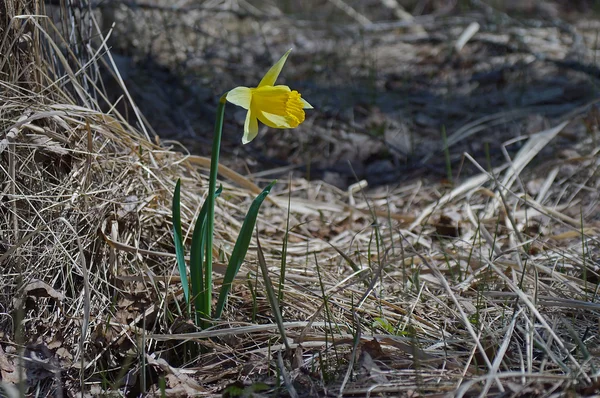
x: 386, y: 78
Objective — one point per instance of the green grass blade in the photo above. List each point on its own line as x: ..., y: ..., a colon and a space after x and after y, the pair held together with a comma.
x: 197, y: 260
x: 355, y: 267
x: 285, y: 244
x: 271, y: 296
x: 241, y: 248
x: 178, y: 240
x: 447, y: 155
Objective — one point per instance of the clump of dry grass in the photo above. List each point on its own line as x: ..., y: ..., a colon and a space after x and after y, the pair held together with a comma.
x: 487, y: 288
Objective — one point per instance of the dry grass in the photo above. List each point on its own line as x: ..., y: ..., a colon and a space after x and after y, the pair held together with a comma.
x: 488, y: 287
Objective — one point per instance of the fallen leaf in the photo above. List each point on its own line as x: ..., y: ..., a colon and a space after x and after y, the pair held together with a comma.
x: 176, y: 378
x: 38, y: 288
x: 8, y: 370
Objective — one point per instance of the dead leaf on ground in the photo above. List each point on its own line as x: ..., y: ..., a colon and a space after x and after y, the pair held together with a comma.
x: 38, y: 288
x: 8, y: 370
x: 177, y: 379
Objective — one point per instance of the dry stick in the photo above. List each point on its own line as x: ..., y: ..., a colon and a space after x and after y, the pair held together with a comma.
x: 86, y: 289
x: 317, y: 312
x: 550, y: 212
x: 129, y: 327
x: 477, y: 224
x: 535, y: 312
x: 352, y: 356
x: 124, y: 88
x: 20, y: 243
x: 36, y: 116
x: 352, y: 13
x: 468, y: 185
x: 506, y: 375
x: 13, y: 187
x: 525, y: 155
x: 286, y: 377
x: 530, y: 149
x: 84, y: 267
x: 509, y: 214
x: 549, y: 301
x: 478, y: 125
x: 435, y: 270
x: 245, y: 183
x: 540, y: 338
x: 500, y: 354
x: 10, y: 136
x: 9, y: 28
x: 528, y: 200
x: 398, y: 9
x: 271, y: 292
x: 86, y: 298
x: 64, y: 62
x: 9, y: 142
x: 466, y: 35
x: 226, y: 172
x: 211, y: 333
x: 218, y: 268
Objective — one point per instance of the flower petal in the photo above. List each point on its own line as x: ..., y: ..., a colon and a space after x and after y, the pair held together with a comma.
x: 240, y: 96
x: 250, y: 127
x: 280, y: 89
x: 274, y: 121
x: 305, y: 104
x: 273, y: 73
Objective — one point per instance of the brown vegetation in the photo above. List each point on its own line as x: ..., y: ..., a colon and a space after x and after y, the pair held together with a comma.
x: 485, y: 285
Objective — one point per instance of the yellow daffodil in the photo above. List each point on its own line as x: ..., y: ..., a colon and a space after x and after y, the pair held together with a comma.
x: 276, y: 106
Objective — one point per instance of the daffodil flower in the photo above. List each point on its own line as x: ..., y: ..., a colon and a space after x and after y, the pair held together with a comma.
x: 276, y: 106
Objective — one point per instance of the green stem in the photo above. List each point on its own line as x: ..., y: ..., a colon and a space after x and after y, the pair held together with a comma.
x: 210, y: 218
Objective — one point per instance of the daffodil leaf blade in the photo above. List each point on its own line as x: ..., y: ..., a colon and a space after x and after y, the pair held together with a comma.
x: 241, y: 248
x: 178, y: 240
x: 197, y: 257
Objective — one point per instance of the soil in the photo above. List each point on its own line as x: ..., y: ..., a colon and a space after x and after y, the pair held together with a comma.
x: 385, y: 92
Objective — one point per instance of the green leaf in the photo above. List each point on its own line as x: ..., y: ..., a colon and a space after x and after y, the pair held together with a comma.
x: 241, y: 248
x: 197, y: 259
x: 210, y: 217
x: 350, y: 262
x: 271, y: 296
x: 178, y: 240
x: 384, y: 324
x: 284, y: 245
